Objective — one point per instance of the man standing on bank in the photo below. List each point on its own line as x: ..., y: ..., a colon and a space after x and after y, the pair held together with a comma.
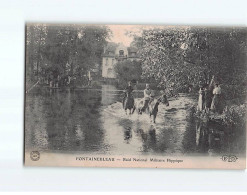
x: 215, y: 105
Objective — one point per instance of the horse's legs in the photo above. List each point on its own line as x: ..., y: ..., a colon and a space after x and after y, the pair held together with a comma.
x: 139, y: 111
x: 154, y: 117
x: 133, y: 109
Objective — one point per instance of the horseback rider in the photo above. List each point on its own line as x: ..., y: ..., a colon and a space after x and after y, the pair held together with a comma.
x: 147, y: 97
x: 128, y: 91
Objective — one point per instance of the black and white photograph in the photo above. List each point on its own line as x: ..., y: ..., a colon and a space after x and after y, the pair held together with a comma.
x: 154, y: 96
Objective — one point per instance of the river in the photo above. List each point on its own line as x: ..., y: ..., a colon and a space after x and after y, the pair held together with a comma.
x: 93, y: 121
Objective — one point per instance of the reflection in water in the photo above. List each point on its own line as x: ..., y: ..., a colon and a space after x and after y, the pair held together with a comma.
x: 128, y: 135
x: 212, y: 138
x: 202, y: 137
x: 92, y: 121
x: 148, y: 140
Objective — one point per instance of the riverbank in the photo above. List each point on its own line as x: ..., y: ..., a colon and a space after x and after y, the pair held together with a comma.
x: 234, y: 112
x: 233, y: 115
x: 40, y: 87
x: 94, y: 120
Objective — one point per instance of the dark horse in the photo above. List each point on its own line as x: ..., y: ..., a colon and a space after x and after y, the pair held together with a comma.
x: 129, y: 103
x: 152, y: 106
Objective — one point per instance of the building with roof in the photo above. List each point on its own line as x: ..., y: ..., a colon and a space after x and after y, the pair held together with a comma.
x: 114, y: 53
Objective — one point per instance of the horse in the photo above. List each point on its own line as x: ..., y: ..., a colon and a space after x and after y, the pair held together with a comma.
x: 152, y: 106
x: 129, y: 103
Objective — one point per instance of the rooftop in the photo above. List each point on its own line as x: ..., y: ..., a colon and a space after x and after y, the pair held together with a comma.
x: 110, y: 50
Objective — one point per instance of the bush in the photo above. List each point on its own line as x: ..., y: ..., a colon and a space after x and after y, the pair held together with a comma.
x: 127, y: 71
x: 235, y: 115
x: 233, y: 91
x: 96, y: 84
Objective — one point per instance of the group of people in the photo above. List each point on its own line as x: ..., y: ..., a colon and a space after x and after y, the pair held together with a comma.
x: 209, y: 99
x: 148, y: 94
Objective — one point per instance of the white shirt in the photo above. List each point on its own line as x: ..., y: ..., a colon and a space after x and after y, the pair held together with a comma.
x: 217, y: 91
x: 147, y: 93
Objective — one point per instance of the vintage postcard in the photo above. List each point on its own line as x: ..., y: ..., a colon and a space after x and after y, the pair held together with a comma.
x: 135, y: 96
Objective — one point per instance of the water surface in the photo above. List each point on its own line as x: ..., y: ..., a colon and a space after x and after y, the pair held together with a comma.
x: 93, y: 121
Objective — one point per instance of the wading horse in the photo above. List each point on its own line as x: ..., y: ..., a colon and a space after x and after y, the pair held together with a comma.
x: 152, y: 106
x: 129, y: 103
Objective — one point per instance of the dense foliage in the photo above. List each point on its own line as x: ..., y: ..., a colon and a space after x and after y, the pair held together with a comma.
x: 182, y: 57
x: 235, y: 115
x: 128, y: 71
x: 63, y: 50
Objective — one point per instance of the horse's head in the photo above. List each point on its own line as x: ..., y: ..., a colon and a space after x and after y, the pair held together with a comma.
x: 163, y: 99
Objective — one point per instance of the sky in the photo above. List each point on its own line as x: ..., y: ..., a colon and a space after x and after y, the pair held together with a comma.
x: 119, y: 33
x: 122, y: 33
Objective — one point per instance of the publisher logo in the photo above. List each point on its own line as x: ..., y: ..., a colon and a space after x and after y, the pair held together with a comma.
x: 35, y: 155
x: 229, y: 158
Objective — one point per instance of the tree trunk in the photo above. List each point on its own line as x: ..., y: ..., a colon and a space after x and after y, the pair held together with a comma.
x: 38, y: 60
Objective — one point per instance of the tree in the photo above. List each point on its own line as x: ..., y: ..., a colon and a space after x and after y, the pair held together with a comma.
x: 90, y: 47
x: 128, y: 70
x: 35, y: 42
x: 179, y: 57
x: 61, y: 50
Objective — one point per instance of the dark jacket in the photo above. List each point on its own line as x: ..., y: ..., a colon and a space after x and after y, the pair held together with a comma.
x: 129, y: 89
